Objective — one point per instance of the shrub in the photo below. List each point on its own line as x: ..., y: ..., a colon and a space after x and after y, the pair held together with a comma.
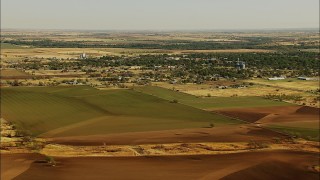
x: 174, y: 101
x: 50, y: 160
x: 283, y: 97
x: 22, y: 133
x: 277, y: 140
x: 257, y: 145
x: 158, y: 147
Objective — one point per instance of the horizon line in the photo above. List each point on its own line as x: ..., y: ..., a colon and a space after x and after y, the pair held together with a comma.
x: 167, y: 30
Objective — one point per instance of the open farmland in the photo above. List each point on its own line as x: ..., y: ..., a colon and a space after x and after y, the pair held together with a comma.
x: 10, y: 46
x: 159, y: 105
x: 279, y: 116
x: 307, y: 133
x: 209, y: 102
x: 76, y: 108
x: 73, y: 53
x: 253, y: 165
x: 299, y: 121
x: 255, y: 90
x: 13, y: 73
x: 290, y: 83
x: 307, y: 91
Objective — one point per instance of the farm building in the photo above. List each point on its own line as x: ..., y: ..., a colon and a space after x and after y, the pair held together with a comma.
x: 306, y: 78
x: 240, y: 65
x: 135, y: 67
x: 83, y: 56
x: 276, y: 78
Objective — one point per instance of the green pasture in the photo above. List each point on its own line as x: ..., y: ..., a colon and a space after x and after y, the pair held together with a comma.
x: 301, y: 132
x: 10, y: 46
x: 84, y: 110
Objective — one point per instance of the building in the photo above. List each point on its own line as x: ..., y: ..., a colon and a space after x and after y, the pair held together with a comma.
x: 240, y: 65
x: 276, y: 78
x: 83, y: 56
x: 306, y: 78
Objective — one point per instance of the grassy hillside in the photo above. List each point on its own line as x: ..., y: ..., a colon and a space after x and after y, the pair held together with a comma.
x: 10, y: 46
x: 40, y: 112
x: 307, y: 133
x: 209, y: 102
x: 84, y: 110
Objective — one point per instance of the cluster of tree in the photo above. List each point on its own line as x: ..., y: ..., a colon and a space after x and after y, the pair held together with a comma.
x: 283, y: 60
x: 243, y: 43
x: 198, y: 66
x: 284, y: 97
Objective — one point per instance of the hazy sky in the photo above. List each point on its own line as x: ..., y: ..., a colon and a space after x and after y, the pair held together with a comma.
x: 159, y: 14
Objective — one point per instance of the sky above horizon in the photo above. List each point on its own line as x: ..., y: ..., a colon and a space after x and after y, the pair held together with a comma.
x: 159, y: 14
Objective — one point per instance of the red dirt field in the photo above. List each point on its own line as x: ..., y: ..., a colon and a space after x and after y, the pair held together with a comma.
x: 281, y: 170
x: 234, y: 133
x: 14, y: 164
x: 251, y: 165
x: 288, y: 118
x: 243, y: 115
x: 274, y: 114
x: 308, y: 110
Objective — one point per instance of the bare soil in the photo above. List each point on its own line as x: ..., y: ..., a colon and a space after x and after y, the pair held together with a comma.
x: 251, y: 165
x: 13, y: 165
x: 308, y: 110
x: 235, y: 133
x: 274, y: 114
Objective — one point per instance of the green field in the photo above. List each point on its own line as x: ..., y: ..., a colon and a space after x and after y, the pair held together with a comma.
x: 82, y: 110
x: 306, y: 133
x: 209, y: 102
x: 302, y: 124
x: 10, y: 46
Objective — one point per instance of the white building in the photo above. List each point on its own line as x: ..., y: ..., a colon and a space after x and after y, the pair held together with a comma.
x: 240, y: 65
x: 306, y: 78
x: 83, y: 56
x: 276, y: 78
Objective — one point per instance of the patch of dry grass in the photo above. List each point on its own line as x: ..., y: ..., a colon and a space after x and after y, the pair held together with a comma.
x: 13, y: 72
x: 205, y: 89
x: 173, y: 149
x: 289, y: 83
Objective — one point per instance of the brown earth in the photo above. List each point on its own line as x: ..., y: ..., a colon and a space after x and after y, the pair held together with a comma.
x: 13, y: 165
x: 244, y: 115
x: 274, y: 114
x: 251, y: 165
x: 279, y: 169
x: 308, y: 110
x: 234, y: 133
x: 288, y: 118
